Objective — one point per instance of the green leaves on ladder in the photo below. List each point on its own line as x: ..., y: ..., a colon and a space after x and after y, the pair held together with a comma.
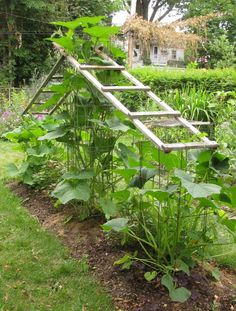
x: 196, y: 190
x: 74, y: 186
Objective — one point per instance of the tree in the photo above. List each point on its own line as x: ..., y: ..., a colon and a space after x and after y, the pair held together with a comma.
x: 143, y: 8
x: 77, y: 8
x: 24, y: 26
x: 221, y: 31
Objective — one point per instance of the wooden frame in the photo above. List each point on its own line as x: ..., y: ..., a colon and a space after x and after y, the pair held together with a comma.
x: 166, y: 110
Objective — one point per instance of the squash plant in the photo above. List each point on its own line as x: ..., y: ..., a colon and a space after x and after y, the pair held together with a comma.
x: 169, y: 204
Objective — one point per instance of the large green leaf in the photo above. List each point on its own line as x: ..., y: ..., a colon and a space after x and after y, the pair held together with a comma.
x: 40, y: 151
x: 144, y: 175
x: 59, y: 132
x: 67, y: 191
x: 117, y: 224
x: 80, y: 22
x: 86, y: 174
x: 168, y: 282
x: 116, y: 125
x: 122, y: 195
x: 180, y: 294
x: 160, y: 195
x: 12, y: 170
x: 196, y: 190
x: 109, y: 208
x: 102, y: 32
x: 150, y: 276
x: 65, y: 42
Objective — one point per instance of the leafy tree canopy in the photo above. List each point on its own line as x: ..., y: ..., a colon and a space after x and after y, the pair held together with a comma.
x: 24, y: 25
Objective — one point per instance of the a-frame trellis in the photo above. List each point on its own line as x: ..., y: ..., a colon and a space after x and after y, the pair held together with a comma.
x: 135, y: 117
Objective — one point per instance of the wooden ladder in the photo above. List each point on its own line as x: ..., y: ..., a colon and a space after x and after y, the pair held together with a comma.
x: 135, y: 117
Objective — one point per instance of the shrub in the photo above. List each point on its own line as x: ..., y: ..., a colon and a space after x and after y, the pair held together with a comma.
x: 10, y: 110
x: 210, y: 80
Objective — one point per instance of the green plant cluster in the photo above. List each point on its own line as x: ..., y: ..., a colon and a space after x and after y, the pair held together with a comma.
x: 209, y: 80
x: 10, y: 109
x: 169, y: 206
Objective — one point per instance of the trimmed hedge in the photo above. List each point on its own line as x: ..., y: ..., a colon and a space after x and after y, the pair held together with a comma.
x: 164, y: 79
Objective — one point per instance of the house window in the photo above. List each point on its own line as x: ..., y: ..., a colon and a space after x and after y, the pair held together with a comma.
x: 155, y: 51
x: 174, y: 54
x: 137, y: 46
x: 164, y: 52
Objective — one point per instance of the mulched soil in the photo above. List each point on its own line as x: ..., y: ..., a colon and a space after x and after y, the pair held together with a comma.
x: 128, y: 288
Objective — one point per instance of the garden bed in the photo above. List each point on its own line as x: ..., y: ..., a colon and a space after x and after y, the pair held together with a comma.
x: 128, y: 288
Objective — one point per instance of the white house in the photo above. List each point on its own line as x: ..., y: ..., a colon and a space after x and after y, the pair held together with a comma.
x: 159, y: 56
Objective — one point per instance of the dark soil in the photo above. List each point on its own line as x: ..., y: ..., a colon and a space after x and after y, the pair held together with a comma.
x: 128, y: 288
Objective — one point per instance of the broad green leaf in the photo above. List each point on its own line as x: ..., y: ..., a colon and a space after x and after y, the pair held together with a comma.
x: 126, y: 173
x: 102, y: 32
x: 160, y: 195
x: 27, y: 178
x: 183, y: 176
x: 201, y: 190
x: 65, y: 42
x: 86, y: 174
x: 59, y: 132
x: 144, y: 175
x: 216, y: 273
x: 220, y: 162
x: 125, y: 262
x: 67, y: 191
x: 168, y: 282
x: 40, y: 151
x: 122, y: 195
x: 109, y: 208
x: 51, y: 102
x: 117, y: 224
x: 204, y: 156
x: 80, y: 22
x: 150, y: 276
x: 59, y: 88
x: 196, y: 190
x: 117, y: 52
x: 169, y: 160
x: 180, y: 294
x: 116, y: 125
x: 12, y: 170
x: 182, y: 266
x: 208, y: 203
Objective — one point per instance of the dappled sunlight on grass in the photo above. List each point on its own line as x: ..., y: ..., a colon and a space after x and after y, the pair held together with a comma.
x: 9, y: 153
x: 37, y: 272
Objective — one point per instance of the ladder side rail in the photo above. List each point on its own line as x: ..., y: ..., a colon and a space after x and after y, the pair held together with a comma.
x: 161, y: 103
x: 61, y: 100
x: 116, y: 103
x: 94, y: 81
x: 44, y: 83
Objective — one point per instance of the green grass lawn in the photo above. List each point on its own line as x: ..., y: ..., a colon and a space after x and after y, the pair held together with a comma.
x: 9, y: 153
x: 36, y: 271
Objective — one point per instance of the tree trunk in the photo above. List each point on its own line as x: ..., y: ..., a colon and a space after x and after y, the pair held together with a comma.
x: 142, y: 10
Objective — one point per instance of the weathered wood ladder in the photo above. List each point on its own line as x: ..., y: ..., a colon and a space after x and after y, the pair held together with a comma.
x: 135, y: 117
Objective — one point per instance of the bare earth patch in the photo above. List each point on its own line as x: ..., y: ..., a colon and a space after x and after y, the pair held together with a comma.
x: 128, y: 288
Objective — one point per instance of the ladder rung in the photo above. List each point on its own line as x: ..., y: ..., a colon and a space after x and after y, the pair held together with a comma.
x: 38, y: 104
x: 154, y: 113
x: 55, y: 77
x: 191, y: 145
x: 125, y: 88
x: 97, y: 67
x: 174, y: 123
x: 38, y: 112
x: 47, y: 91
